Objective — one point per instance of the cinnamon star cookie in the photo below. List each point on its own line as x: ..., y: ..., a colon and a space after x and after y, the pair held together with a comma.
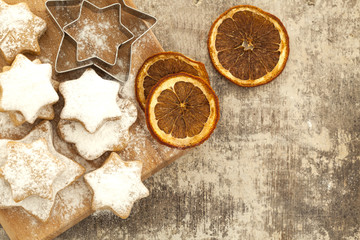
x: 90, y: 100
x: 117, y: 185
x: 35, y: 205
x: 111, y: 136
x: 20, y: 30
x: 30, y: 169
x: 27, y: 88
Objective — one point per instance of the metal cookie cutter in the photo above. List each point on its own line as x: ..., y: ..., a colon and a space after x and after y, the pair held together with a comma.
x: 65, y: 12
x: 71, y: 30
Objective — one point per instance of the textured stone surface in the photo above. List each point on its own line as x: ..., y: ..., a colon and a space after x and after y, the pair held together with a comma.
x: 284, y: 161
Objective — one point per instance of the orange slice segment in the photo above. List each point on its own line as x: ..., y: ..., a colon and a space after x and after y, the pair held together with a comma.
x: 161, y: 65
x: 182, y: 111
x: 248, y: 46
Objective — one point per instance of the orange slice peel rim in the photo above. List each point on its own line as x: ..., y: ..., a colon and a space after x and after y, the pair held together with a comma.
x: 209, y: 126
x: 284, y: 47
x: 142, y: 73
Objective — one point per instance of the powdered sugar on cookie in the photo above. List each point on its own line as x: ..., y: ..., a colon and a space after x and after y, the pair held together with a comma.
x: 117, y: 185
x: 9, y: 131
x: 92, y: 145
x: 30, y: 169
x: 91, y: 100
x: 46, y: 112
x: 20, y: 30
x: 35, y: 205
x: 112, y: 136
x: 17, y: 82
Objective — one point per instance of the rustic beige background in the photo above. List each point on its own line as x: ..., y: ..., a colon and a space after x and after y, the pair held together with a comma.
x: 284, y: 161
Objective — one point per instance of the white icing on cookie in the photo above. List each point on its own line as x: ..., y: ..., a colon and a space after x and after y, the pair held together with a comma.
x: 26, y: 88
x: 112, y: 136
x: 117, y: 185
x: 37, y: 206
x: 90, y: 99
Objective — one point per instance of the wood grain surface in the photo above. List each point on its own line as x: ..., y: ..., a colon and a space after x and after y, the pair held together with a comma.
x: 284, y: 160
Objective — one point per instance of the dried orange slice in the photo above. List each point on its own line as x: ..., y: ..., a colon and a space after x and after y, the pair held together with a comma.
x: 161, y: 65
x: 248, y: 46
x: 182, y: 111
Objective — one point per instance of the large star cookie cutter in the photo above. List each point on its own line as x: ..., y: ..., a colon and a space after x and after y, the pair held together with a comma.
x: 65, y: 12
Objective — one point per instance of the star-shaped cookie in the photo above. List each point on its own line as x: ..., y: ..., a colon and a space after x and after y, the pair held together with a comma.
x: 90, y: 100
x: 117, y: 185
x: 46, y: 112
x: 35, y: 205
x: 30, y: 169
x: 16, y: 82
x: 98, y: 32
x: 20, y: 30
x: 111, y: 136
x: 9, y: 131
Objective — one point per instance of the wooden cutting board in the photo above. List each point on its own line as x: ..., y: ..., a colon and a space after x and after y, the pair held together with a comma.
x: 73, y: 203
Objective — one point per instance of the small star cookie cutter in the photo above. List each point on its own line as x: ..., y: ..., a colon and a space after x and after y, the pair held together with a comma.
x: 137, y: 22
x: 86, y: 4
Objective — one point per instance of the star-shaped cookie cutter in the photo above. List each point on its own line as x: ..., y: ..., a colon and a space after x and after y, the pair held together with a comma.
x: 139, y: 23
x: 94, y: 8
